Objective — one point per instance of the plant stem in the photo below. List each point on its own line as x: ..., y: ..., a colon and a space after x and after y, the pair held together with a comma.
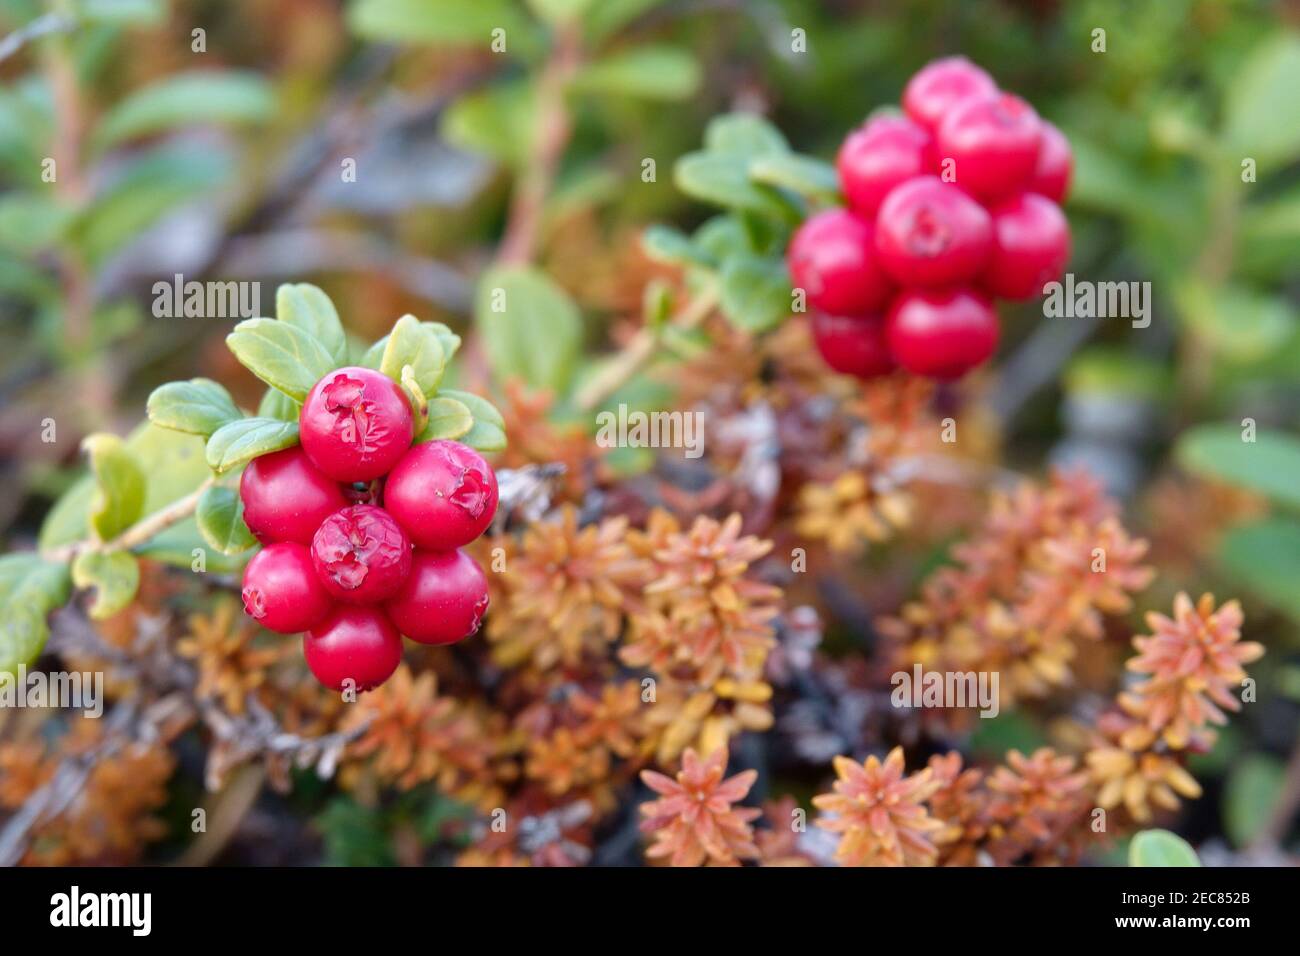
x: 641, y: 349
x: 141, y: 531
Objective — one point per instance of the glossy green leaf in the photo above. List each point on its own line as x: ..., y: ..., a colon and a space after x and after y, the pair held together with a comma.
x: 668, y: 245
x: 30, y: 588
x: 202, y: 96
x: 448, y: 418
x: 531, y: 329
x: 283, y: 356
x: 415, y: 344
x: 240, y: 442
x: 805, y: 175
x: 117, y: 501
x: 220, y: 518
x: 199, y: 406
x: 276, y: 404
x: 1262, y: 109
x: 755, y: 293
x: 723, y: 180
x: 1161, y: 848
x: 497, y: 122
x: 311, y: 310
x: 115, y: 578
x: 489, y: 430
x: 647, y: 72
x: 1268, y: 465
x: 743, y: 134
x: 443, y: 22
x: 1264, y: 557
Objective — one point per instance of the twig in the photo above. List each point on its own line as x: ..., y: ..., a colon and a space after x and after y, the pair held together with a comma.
x: 641, y: 349
x: 138, y: 533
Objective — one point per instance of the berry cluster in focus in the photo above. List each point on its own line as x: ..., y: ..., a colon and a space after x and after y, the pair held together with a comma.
x: 951, y: 205
x: 362, y: 532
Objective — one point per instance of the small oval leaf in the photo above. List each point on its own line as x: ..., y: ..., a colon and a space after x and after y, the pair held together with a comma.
x: 115, y: 576
x: 283, y: 356
x: 220, y: 516
x: 199, y: 406
x: 240, y: 442
x: 119, y: 490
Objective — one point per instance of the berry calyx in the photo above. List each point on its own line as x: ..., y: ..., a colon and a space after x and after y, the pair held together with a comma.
x: 832, y: 259
x: 286, y: 498
x: 361, y: 554
x: 877, y: 157
x: 930, y: 233
x: 1055, y: 165
x: 941, y: 334
x: 355, y: 424
x: 442, y: 600
x: 854, y: 346
x: 281, y: 591
x: 1031, y: 245
x: 993, y: 142
x: 939, y: 86
x: 357, y: 644
x: 443, y: 494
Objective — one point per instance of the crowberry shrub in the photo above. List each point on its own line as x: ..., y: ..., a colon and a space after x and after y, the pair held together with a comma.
x: 956, y: 203
x: 355, y: 424
x: 443, y: 494
x: 286, y: 498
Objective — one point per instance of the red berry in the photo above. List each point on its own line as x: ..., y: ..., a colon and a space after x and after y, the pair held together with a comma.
x: 443, y: 599
x: 443, y: 493
x: 1031, y: 245
x: 930, y: 233
x: 357, y: 644
x: 993, y: 142
x: 286, y: 498
x: 854, y: 346
x: 940, y: 85
x: 281, y: 591
x: 879, y: 156
x: 832, y: 260
x: 361, y: 554
x: 941, y: 334
x: 355, y: 424
x: 1055, y: 165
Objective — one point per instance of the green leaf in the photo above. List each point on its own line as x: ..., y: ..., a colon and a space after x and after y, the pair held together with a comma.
x: 220, y: 517
x: 276, y: 404
x: 723, y: 180
x: 559, y: 11
x: 649, y: 72
x: 199, y: 406
x: 489, y: 430
x: 448, y: 339
x: 1242, y: 324
x: 114, y: 576
x: 123, y: 12
x: 668, y: 245
x: 31, y: 222
x: 743, y: 134
x: 1262, y: 110
x: 805, y: 175
x: 30, y: 588
x: 448, y: 418
x: 240, y: 442
x: 1161, y: 848
x: 531, y: 329
x: 415, y: 344
x: 443, y: 22
x: 1268, y: 465
x: 201, y: 96
x: 496, y: 122
x: 1265, y: 558
x: 755, y: 293
x: 1250, y: 795
x: 311, y: 310
x: 118, y: 499
x: 281, y: 355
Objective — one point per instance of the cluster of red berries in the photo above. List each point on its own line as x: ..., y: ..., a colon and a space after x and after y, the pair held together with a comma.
x: 951, y: 205
x: 362, y: 532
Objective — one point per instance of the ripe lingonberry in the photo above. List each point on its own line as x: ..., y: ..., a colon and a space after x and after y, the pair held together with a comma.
x: 854, y: 346
x: 941, y: 334
x: 355, y: 424
x: 361, y: 554
x: 832, y: 259
x: 286, y: 498
x: 357, y: 644
x: 443, y: 493
x: 993, y: 141
x: 1031, y: 244
x: 939, y: 86
x: 930, y: 233
x: 1055, y: 165
x: 443, y: 599
x: 874, y: 159
x: 281, y: 591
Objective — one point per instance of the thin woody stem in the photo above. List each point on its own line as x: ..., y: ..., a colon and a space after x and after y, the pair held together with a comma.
x: 141, y: 531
